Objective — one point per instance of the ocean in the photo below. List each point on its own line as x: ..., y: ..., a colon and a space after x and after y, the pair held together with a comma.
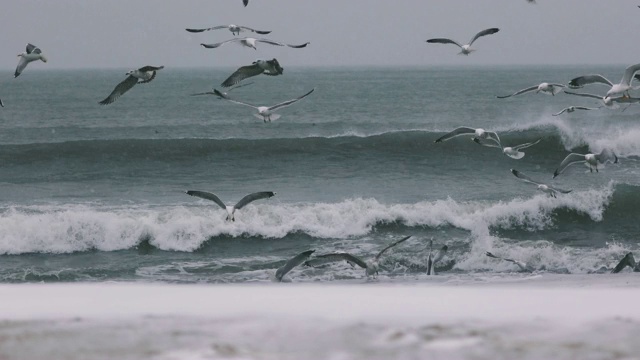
x: 92, y: 193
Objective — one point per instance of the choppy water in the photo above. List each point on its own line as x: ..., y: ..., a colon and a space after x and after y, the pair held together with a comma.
x: 92, y: 193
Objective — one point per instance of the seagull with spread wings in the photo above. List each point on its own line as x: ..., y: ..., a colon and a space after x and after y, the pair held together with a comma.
x: 622, y: 87
x: 608, y: 101
x: 141, y: 76
x: 266, y: 67
x: 511, y: 151
x: 251, y: 43
x: 370, y: 266
x: 522, y: 265
x: 592, y: 160
x: 477, y: 133
x: 571, y: 109
x: 541, y: 186
x: 545, y: 88
x: 32, y: 53
x: 231, y: 210
x: 464, y: 49
x: 265, y: 112
x: 235, y: 29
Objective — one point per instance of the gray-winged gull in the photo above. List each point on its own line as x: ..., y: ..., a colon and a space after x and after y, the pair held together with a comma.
x: 541, y: 186
x: 464, y: 49
x: 606, y: 155
x: 231, y: 209
x: 32, y: 53
x: 140, y: 76
x: 265, y: 112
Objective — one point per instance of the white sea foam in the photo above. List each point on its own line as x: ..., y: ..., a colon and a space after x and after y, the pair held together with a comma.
x: 72, y: 228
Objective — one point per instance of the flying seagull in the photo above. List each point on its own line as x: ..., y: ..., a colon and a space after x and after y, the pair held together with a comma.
x: 370, y: 266
x: 478, y: 133
x: 433, y: 260
x: 606, y: 155
x: 522, y: 265
x: 235, y: 29
x: 267, y: 67
x: 571, y: 109
x: 627, y: 260
x: 609, y: 102
x: 265, y: 113
x: 621, y: 88
x: 141, y: 76
x: 225, y: 94
x: 464, y: 49
x: 32, y: 53
x: 511, y: 151
x: 251, y: 43
x: 544, y: 87
x: 231, y: 209
x: 291, y: 263
x: 541, y: 186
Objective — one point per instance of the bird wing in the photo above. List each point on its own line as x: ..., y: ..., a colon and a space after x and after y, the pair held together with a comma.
x: 207, y: 195
x: 120, y: 89
x: 607, y: 155
x: 627, y: 260
x: 526, y: 145
x: 524, y: 177
x: 22, y: 63
x: 483, y: 33
x: 585, y: 108
x: 491, y: 135
x: 213, y: 46
x: 293, y: 262
x: 581, y: 81
x: 443, y: 41
x: 392, y: 245
x: 488, y: 144
x: 204, y: 93
x: 440, y: 254
x: 569, y: 160
x: 343, y: 256
x: 261, y: 32
x: 535, y: 87
x: 215, y: 91
x: 239, y: 86
x: 151, y: 68
x: 267, y: 41
x: 242, y: 73
x: 561, y: 111
x: 559, y: 190
x: 1, y: 103
x: 245, y: 2
x: 462, y: 130
x: 584, y: 95
x: 33, y: 49
x: 299, y: 46
x: 289, y: 102
x: 629, y: 73
x: 207, y: 29
x: 253, y: 197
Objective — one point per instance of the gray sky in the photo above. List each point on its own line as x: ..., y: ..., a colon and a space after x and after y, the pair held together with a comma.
x: 132, y: 33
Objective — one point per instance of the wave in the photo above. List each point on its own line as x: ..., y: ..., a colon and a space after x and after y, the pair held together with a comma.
x: 78, y: 228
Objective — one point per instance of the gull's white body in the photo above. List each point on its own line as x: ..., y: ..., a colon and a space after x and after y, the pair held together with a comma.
x: 622, y: 87
x: 31, y: 54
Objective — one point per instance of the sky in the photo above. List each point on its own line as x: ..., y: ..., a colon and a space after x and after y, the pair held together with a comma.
x: 133, y: 33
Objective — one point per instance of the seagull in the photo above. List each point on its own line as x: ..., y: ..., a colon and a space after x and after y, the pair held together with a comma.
x: 32, y: 53
x: 464, y: 49
x: 607, y: 155
x: 609, y: 102
x: 231, y: 209
x: 627, y: 260
x: 235, y: 29
x: 251, y: 42
x: 370, y: 266
x: 141, y: 76
x: 541, y: 186
x: 546, y: 88
x: 621, y: 88
x: 571, y: 109
x: 267, y: 67
x: 511, y: 151
x: 291, y: 263
x: 225, y: 94
x: 432, y: 261
x: 463, y: 130
x: 265, y: 113
x: 522, y: 265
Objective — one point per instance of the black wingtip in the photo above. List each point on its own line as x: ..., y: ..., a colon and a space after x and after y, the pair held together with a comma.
x: 514, y: 172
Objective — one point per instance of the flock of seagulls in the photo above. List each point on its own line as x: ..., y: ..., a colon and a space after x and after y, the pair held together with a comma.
x: 480, y: 136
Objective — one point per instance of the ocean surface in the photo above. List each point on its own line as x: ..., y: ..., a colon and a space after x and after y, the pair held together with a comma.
x: 92, y: 193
